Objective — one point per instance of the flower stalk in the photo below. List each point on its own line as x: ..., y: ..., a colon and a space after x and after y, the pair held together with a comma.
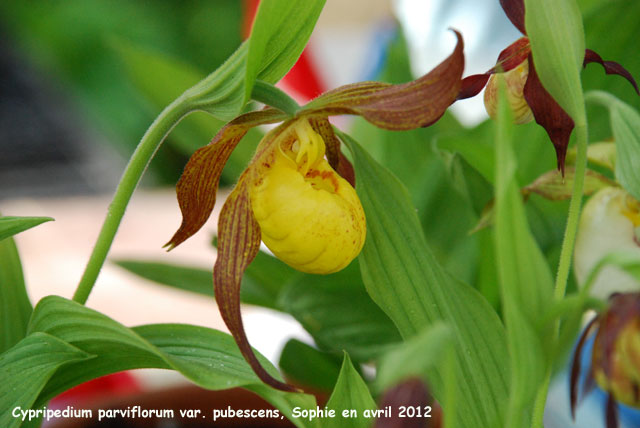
x: 144, y: 152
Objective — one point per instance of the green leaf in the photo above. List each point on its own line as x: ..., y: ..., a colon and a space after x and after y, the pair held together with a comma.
x: 625, y: 123
x: 352, y: 396
x: 27, y: 367
x: 161, y: 79
x: 261, y: 283
x: 525, y: 279
x: 280, y: 32
x: 337, y: 311
x: 401, y: 363
x: 15, y: 308
x: 555, y: 30
x: 306, y: 366
x: 403, y: 278
x: 207, y: 357
x: 10, y: 226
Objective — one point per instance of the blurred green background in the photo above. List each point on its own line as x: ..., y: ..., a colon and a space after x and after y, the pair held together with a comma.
x: 80, y: 48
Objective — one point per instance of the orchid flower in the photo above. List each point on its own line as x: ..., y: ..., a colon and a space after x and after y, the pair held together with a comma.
x: 526, y: 96
x: 297, y: 193
x: 609, y: 222
x: 615, y: 356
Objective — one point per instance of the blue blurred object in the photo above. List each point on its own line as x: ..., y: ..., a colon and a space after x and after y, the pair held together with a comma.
x: 590, y: 409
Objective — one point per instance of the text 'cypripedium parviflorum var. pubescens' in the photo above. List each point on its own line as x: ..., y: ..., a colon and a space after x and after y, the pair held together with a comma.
x: 297, y: 194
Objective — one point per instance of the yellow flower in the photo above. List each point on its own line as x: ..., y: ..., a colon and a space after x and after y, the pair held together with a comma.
x: 310, y: 217
x: 297, y: 193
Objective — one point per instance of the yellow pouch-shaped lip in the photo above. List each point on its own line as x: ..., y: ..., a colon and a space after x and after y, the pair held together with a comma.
x: 310, y: 217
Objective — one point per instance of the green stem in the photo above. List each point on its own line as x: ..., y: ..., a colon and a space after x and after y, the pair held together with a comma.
x: 574, y: 213
x: 270, y: 95
x: 566, y: 254
x: 137, y: 165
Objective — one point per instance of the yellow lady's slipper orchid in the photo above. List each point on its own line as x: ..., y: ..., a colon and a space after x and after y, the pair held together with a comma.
x: 310, y: 217
x: 301, y: 204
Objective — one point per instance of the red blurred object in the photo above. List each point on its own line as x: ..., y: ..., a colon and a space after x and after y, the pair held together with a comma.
x: 113, y: 385
x: 303, y: 79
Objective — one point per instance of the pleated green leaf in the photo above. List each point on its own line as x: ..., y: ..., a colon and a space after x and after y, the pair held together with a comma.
x: 350, y: 394
x: 261, y: 284
x: 282, y: 26
x: 26, y: 368
x: 15, y: 308
x: 401, y: 363
x: 404, y: 279
x: 625, y: 124
x: 10, y: 226
x: 556, y: 33
x: 307, y: 366
x: 160, y: 79
x: 280, y: 32
x: 525, y: 279
x: 207, y: 357
x: 337, y: 311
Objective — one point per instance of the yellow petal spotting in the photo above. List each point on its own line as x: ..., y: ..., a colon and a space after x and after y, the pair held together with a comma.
x: 310, y: 217
x: 515, y: 80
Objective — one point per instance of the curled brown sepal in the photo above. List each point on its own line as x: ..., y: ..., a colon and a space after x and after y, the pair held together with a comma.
x: 514, y: 9
x: 197, y: 187
x: 336, y: 159
x: 238, y: 245
x: 409, y: 393
x: 548, y: 114
x: 611, y: 412
x: 510, y: 57
x: 398, y: 107
x: 576, y: 367
x: 610, y: 67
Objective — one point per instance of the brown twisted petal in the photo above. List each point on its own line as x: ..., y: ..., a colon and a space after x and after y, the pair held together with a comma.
x: 335, y: 157
x: 397, y: 107
x: 510, y: 57
x: 514, y: 9
x: 610, y: 67
x: 611, y: 412
x: 198, y: 185
x: 238, y: 244
x: 548, y: 114
x: 576, y: 367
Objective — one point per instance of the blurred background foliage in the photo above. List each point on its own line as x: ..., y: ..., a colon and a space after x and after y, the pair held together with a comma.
x: 78, y: 45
